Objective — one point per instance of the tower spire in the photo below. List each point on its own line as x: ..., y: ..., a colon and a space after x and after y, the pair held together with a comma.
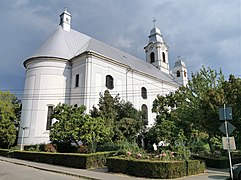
x: 65, y: 20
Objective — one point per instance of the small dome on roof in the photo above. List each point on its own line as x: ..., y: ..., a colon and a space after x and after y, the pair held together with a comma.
x: 155, y: 31
x: 155, y: 35
x: 179, y: 63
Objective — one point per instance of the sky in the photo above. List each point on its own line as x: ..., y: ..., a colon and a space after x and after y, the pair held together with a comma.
x: 203, y: 32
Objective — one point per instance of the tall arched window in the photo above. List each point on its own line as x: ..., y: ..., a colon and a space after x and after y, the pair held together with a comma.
x: 109, y: 82
x: 152, y: 56
x: 49, y: 117
x: 178, y: 73
x: 144, y: 111
x: 144, y: 93
x: 163, y: 57
x: 185, y: 74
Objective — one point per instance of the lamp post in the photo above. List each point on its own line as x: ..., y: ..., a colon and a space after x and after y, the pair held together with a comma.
x: 23, y: 128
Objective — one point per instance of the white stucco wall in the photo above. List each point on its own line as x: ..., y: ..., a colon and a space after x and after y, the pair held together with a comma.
x: 127, y: 83
x: 47, y: 82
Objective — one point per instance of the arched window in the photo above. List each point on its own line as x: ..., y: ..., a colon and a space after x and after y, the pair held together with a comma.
x: 77, y: 80
x: 109, y: 82
x: 144, y: 93
x: 49, y: 117
x: 152, y: 56
x: 178, y: 73
x: 163, y: 57
x: 144, y: 111
x: 185, y: 74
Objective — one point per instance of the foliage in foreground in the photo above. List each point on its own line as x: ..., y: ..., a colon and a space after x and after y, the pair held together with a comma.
x: 75, y: 126
x: 10, y: 109
x: 193, y: 110
x: 125, y: 122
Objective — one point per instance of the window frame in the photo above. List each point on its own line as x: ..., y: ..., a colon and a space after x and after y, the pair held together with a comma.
x: 109, y: 82
x: 178, y: 73
x: 152, y: 57
x: 144, y: 93
x: 50, y: 111
x: 163, y: 57
x: 144, y: 110
x: 77, y: 80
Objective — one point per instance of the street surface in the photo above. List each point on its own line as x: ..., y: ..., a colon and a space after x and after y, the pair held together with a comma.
x: 16, y: 169
x: 10, y: 171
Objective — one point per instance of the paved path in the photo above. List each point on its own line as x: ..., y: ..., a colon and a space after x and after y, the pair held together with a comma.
x: 102, y: 174
x: 10, y: 171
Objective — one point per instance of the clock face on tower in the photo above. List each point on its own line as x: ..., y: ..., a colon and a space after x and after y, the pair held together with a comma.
x: 151, y: 46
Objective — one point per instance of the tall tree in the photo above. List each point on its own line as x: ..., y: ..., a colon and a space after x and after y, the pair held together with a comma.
x: 232, y: 91
x: 194, y: 107
x: 10, y: 108
x: 123, y: 119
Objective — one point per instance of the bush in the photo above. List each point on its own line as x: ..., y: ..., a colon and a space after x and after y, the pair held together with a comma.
x: 220, y: 162
x: 154, y: 169
x: 36, y: 147
x: 195, y: 167
x: 75, y: 160
x: 108, y: 147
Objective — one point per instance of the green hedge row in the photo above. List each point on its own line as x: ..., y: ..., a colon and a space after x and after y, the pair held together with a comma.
x: 154, y: 169
x: 82, y: 161
x: 221, y: 162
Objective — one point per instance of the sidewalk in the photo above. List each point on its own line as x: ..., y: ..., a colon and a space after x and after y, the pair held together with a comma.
x: 102, y: 174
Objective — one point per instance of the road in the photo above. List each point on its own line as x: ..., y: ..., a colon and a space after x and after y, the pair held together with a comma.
x: 10, y: 171
x: 16, y: 169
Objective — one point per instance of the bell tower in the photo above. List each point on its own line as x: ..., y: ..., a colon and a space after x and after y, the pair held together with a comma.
x: 180, y: 72
x: 157, y: 50
x: 65, y: 20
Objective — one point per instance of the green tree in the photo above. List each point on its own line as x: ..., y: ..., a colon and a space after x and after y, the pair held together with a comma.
x: 10, y: 108
x: 194, y: 107
x: 232, y: 91
x: 204, y: 95
x: 121, y: 117
x: 74, y: 126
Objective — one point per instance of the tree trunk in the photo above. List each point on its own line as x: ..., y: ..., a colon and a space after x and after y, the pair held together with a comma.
x: 210, y: 143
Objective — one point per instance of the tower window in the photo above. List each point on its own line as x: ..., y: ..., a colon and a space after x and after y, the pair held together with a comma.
x: 185, y: 74
x: 144, y: 93
x: 144, y: 111
x: 178, y: 73
x: 163, y: 57
x: 49, y: 117
x: 109, y: 83
x: 152, y: 56
x: 77, y: 80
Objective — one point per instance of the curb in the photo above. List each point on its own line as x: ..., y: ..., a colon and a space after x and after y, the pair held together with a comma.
x: 49, y: 170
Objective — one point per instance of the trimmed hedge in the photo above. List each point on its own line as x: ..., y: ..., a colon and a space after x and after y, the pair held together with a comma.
x: 220, y: 163
x: 4, y: 152
x: 154, y: 169
x: 82, y: 161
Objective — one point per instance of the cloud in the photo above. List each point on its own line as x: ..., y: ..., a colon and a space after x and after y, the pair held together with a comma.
x: 202, y: 32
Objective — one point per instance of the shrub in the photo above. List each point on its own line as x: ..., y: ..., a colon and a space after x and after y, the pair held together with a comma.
x: 108, y: 147
x: 154, y: 169
x: 50, y: 148
x: 83, y: 161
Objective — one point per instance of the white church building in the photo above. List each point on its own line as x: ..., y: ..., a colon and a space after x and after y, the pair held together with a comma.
x: 73, y: 68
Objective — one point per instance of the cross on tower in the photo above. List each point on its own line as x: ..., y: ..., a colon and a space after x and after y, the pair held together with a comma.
x: 154, y: 21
